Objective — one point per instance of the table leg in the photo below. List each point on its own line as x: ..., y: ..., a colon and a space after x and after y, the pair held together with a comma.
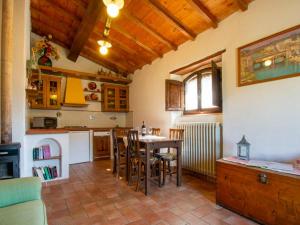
x: 147, y: 172
x: 179, y: 169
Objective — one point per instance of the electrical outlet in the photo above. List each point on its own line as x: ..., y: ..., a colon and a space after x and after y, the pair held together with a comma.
x: 91, y: 117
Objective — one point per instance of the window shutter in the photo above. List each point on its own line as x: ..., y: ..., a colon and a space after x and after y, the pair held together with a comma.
x: 174, y: 95
x: 216, y: 85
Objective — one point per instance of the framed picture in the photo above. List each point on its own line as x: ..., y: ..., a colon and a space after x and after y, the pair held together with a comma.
x: 271, y: 58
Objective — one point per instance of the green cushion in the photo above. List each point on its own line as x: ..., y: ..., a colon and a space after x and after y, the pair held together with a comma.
x: 19, y: 190
x: 167, y: 156
x: 28, y: 213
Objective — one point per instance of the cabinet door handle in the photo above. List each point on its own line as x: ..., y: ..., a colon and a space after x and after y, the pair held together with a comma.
x: 3, y: 153
x: 263, y: 178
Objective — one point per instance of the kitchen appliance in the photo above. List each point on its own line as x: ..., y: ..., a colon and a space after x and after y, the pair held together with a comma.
x: 80, y: 148
x: 44, y: 122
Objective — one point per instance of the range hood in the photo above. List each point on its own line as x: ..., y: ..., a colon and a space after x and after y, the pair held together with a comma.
x: 74, y: 93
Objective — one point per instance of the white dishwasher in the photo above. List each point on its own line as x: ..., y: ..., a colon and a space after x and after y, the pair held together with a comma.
x: 79, y: 147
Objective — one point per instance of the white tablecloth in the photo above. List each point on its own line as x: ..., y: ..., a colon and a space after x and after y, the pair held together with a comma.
x: 146, y: 137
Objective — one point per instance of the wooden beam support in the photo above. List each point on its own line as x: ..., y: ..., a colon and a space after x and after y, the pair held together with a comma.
x: 89, y: 21
x: 163, y: 12
x: 204, y: 11
x: 6, y: 70
x: 148, y: 29
x: 242, y: 4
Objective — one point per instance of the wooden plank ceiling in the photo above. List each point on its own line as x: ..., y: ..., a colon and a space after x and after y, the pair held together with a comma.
x: 144, y: 31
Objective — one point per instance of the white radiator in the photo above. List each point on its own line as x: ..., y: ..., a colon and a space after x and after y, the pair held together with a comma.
x: 201, y: 147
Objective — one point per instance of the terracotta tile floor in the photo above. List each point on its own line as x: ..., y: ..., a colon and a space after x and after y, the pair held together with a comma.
x: 93, y: 196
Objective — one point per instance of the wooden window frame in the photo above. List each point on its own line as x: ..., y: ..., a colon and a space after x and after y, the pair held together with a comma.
x: 199, y: 75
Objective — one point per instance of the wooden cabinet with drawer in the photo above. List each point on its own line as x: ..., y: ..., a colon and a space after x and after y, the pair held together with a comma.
x: 101, y: 146
x: 262, y: 195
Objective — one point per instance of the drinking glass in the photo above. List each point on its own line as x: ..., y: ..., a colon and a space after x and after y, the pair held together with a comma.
x: 150, y: 131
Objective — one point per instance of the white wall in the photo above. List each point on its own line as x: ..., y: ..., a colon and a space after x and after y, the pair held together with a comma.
x: 267, y: 113
x: 78, y: 116
x: 21, y: 29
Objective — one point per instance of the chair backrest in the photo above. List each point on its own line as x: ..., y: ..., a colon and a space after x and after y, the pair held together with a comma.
x: 115, y: 141
x: 122, y: 131
x: 133, y: 143
x: 176, y: 133
x: 156, y: 131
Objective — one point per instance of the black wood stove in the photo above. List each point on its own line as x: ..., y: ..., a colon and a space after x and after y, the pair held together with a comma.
x: 9, y: 160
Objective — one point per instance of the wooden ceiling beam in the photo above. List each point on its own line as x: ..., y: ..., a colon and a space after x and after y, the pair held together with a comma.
x: 242, y: 4
x: 163, y: 12
x: 204, y: 11
x: 148, y: 29
x: 107, y: 60
x: 89, y: 21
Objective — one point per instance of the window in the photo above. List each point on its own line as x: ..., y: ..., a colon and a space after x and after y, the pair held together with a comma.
x: 203, y: 91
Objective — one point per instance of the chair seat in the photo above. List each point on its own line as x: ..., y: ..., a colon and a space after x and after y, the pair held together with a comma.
x: 167, y: 156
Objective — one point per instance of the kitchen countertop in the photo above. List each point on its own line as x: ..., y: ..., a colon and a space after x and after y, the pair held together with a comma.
x: 67, y: 129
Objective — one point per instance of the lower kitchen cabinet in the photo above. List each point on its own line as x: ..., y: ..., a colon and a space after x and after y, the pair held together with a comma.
x: 265, y: 196
x: 101, y: 147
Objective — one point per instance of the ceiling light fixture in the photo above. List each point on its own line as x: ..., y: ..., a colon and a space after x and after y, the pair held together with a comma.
x: 104, y: 46
x: 267, y: 63
x: 113, y: 7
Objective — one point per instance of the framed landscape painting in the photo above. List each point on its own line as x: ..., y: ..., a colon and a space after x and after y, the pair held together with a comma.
x: 271, y: 58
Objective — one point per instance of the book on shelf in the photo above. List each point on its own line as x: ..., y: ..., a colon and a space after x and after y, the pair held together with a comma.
x: 42, y: 152
x: 45, y: 172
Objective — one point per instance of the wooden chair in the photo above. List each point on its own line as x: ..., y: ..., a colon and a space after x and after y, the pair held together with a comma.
x: 170, y: 155
x: 135, y: 157
x: 137, y: 160
x: 119, y: 154
x: 156, y: 131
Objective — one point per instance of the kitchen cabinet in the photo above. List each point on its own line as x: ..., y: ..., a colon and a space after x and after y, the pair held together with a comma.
x: 48, y: 93
x: 115, y: 98
x: 101, y: 145
x: 265, y: 196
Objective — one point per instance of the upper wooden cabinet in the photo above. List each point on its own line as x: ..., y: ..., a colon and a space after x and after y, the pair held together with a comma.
x: 115, y: 98
x: 174, y: 95
x: 48, y: 93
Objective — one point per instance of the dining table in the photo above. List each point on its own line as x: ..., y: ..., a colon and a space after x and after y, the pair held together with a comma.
x: 152, y: 142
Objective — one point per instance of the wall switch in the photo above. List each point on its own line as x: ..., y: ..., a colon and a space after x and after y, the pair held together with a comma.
x: 91, y: 117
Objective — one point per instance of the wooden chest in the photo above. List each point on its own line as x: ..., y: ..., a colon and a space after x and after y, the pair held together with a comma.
x: 265, y: 196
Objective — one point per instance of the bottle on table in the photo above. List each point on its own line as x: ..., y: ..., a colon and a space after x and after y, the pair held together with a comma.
x: 144, y: 130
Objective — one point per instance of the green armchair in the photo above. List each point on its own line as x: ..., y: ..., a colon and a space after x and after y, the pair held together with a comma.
x: 21, y: 203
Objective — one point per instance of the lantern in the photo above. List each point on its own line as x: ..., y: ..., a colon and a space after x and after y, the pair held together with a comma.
x: 243, y: 149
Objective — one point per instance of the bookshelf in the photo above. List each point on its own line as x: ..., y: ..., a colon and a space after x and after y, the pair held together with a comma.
x: 47, y: 160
